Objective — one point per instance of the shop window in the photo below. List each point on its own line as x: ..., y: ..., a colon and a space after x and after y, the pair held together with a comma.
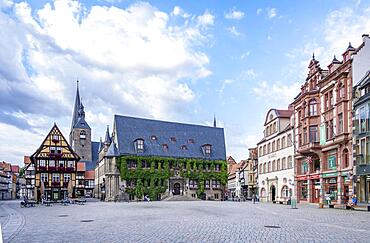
x: 332, y: 164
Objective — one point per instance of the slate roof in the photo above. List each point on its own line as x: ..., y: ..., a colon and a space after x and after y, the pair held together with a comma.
x: 90, y: 165
x: 112, y: 150
x: 129, y: 129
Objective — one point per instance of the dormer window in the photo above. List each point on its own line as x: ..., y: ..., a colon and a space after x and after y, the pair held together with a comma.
x: 207, y: 149
x: 139, y: 145
x: 190, y: 140
x: 173, y: 139
x: 184, y: 147
x: 83, y: 134
x: 153, y: 138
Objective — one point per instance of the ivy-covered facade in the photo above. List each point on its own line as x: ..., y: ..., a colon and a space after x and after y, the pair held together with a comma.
x: 160, y: 160
x: 152, y: 176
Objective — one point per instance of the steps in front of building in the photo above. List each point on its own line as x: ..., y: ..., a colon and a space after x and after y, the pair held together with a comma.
x: 179, y: 198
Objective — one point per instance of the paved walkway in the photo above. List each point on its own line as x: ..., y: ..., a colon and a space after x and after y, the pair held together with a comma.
x: 13, y: 220
x: 197, y: 221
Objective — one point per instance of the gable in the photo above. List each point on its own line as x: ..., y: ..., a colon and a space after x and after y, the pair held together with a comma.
x: 55, y: 145
x: 271, y: 115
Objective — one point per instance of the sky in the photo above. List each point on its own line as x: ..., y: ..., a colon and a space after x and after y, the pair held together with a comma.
x: 183, y: 61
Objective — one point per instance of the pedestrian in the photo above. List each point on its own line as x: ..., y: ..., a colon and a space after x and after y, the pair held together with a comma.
x: 353, y: 202
x: 254, y: 199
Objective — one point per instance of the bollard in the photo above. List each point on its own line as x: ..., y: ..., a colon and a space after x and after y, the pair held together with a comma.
x: 293, y: 203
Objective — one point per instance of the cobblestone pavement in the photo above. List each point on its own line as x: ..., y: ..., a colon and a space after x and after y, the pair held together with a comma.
x: 197, y: 221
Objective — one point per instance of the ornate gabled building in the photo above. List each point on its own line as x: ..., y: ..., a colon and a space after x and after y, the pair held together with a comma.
x: 161, y: 159
x: 323, y: 131
x: 52, y: 167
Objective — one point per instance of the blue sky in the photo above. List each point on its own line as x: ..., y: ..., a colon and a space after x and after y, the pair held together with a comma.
x: 172, y: 60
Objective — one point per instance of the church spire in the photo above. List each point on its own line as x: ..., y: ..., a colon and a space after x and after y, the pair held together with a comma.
x: 107, y: 139
x: 76, y: 108
x: 214, y: 121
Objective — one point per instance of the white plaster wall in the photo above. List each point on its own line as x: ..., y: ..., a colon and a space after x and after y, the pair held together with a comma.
x: 361, y: 62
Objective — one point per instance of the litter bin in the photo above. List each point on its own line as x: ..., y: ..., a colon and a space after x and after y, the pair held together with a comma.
x: 289, y: 202
x: 293, y: 203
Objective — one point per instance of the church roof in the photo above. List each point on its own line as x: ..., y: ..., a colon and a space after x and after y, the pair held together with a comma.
x: 81, y: 123
x: 168, y: 139
x: 94, y: 156
x: 107, y: 139
x: 78, y: 117
x: 112, y: 150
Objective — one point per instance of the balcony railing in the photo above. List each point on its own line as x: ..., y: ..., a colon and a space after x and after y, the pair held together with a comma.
x: 308, y: 147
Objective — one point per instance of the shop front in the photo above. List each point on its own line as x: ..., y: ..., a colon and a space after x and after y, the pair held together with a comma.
x: 315, y: 188
x: 330, y: 187
x: 302, y: 188
x: 363, y: 188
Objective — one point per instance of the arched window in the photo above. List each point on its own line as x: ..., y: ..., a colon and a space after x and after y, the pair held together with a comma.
x: 283, y: 144
x: 268, y: 148
x: 83, y: 134
x: 264, y: 149
x: 263, y: 192
x: 285, y: 191
x: 273, y: 146
x: 273, y: 165
x: 278, y: 165
x: 269, y: 167
x: 264, y: 168
x: 341, y: 91
x: 312, y: 108
x: 278, y: 144
x: 260, y: 169
x: 283, y: 162
x: 260, y: 151
x: 345, y: 158
x: 290, y: 162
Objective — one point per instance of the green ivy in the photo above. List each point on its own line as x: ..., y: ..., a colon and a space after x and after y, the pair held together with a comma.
x: 190, y: 168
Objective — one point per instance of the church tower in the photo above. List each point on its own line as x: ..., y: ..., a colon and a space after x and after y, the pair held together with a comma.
x: 80, y: 135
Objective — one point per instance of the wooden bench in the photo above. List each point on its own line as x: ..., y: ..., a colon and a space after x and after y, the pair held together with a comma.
x: 282, y: 201
x: 47, y: 203
x: 80, y: 201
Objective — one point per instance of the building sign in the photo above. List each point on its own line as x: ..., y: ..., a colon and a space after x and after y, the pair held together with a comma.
x: 334, y: 174
x: 322, y: 134
x: 332, y: 162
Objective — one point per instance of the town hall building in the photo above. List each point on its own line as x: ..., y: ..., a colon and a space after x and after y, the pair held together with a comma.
x: 161, y: 159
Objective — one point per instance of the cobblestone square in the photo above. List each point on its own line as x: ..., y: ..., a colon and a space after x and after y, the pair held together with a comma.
x: 198, y: 221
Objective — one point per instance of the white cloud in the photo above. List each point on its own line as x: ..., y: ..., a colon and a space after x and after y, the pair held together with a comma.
x: 207, y: 19
x: 248, y: 74
x: 259, y: 11
x: 271, y: 12
x: 130, y: 61
x: 225, y: 83
x: 177, y: 11
x: 233, y: 31
x: 244, y: 55
x: 235, y: 14
x: 277, y: 93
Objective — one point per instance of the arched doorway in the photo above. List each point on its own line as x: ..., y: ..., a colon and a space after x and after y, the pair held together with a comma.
x: 176, y: 188
x: 273, y: 193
